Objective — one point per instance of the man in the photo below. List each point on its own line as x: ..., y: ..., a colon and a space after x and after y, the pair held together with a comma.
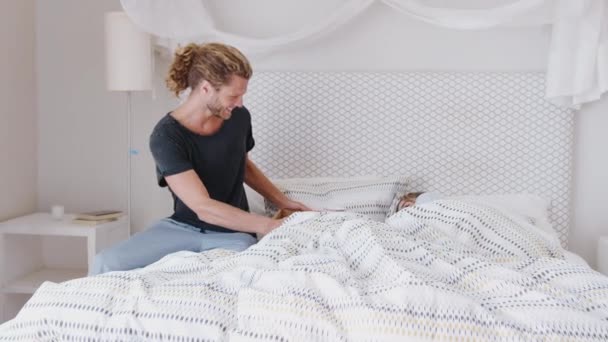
x: 200, y: 150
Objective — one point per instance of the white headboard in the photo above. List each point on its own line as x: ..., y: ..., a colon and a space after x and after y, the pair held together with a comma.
x: 452, y: 132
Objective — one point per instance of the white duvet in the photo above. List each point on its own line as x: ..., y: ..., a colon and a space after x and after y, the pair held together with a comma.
x: 446, y: 270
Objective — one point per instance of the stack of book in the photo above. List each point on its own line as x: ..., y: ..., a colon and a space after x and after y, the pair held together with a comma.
x: 97, y: 217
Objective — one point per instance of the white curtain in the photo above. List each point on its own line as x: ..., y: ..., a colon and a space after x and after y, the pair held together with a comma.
x: 577, y: 68
x: 176, y: 22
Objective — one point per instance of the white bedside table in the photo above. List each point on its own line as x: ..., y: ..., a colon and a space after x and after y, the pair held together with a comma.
x: 36, y: 248
x: 602, y: 255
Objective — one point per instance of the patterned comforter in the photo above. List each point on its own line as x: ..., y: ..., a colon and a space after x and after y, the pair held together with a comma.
x: 446, y: 270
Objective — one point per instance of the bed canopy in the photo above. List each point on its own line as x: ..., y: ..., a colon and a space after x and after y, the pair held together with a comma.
x: 577, y: 65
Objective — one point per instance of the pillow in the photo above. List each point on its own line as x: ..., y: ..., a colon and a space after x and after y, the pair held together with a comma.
x: 532, y: 207
x: 255, y: 200
x: 370, y: 196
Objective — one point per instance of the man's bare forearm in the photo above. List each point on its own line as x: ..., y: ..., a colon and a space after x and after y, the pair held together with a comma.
x: 191, y: 190
x: 224, y: 215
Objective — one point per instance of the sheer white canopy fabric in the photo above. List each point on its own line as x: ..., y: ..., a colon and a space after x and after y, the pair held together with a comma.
x: 577, y: 68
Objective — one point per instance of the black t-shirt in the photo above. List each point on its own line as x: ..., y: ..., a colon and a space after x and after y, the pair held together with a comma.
x: 218, y: 160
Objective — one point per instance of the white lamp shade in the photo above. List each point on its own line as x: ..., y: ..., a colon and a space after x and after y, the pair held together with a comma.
x: 128, y: 54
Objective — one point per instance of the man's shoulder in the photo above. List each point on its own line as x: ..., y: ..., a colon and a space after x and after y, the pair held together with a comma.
x: 167, y: 130
x: 167, y: 125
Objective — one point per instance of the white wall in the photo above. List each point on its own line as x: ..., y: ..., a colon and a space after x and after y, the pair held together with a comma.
x: 18, y: 130
x: 82, y: 130
x: 18, y: 127
x: 81, y: 126
x: 590, y: 179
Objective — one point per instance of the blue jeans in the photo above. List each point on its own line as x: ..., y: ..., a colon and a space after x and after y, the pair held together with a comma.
x: 165, y: 237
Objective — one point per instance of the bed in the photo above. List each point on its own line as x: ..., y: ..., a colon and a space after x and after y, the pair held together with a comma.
x: 468, y: 266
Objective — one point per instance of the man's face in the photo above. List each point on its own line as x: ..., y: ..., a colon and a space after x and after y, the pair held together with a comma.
x: 229, y: 96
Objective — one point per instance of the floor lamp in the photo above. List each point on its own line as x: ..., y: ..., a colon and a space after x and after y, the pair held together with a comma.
x: 128, y: 69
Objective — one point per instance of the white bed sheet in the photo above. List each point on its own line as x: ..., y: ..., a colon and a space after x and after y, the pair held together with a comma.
x: 444, y: 270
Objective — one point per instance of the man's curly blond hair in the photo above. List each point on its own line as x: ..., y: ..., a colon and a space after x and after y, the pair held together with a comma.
x: 213, y: 62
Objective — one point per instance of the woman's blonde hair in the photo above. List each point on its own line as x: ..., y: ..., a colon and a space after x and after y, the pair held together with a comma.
x: 213, y: 62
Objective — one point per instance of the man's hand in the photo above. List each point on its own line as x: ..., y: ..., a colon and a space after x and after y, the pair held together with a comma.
x: 294, y: 206
x: 272, y: 224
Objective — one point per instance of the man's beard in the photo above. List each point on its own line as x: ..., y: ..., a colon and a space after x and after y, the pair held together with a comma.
x: 216, y: 109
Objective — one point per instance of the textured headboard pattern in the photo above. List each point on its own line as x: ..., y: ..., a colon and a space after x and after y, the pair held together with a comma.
x: 451, y: 132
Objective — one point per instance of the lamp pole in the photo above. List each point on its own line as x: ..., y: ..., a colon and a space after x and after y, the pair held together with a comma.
x: 128, y: 69
x: 129, y: 156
